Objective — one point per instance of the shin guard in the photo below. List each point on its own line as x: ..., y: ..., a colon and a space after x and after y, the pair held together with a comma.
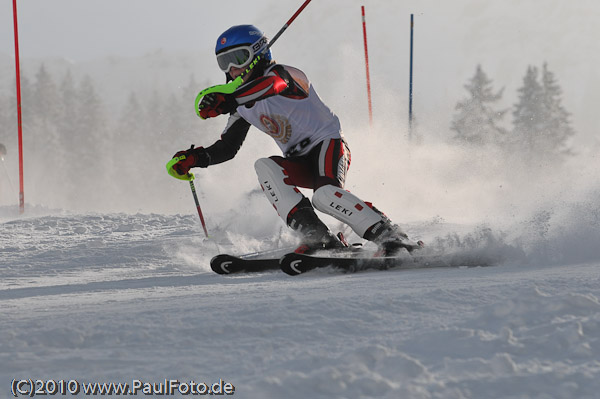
x: 283, y: 195
x: 346, y: 207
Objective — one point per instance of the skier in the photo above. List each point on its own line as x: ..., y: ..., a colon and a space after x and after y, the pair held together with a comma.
x: 281, y: 101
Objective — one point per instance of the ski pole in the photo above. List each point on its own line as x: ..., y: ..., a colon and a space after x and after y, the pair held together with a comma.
x: 193, y: 188
x: 190, y: 178
x: 285, y: 26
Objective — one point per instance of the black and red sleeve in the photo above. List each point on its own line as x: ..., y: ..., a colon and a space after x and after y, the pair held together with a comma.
x: 231, y: 140
x: 278, y: 82
x: 259, y: 89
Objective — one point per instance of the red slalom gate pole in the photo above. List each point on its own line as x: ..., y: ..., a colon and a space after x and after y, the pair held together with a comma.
x: 19, y: 118
x: 364, y: 24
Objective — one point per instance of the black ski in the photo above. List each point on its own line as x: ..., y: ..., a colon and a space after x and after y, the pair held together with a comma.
x: 229, y: 264
x: 263, y: 260
x: 294, y: 264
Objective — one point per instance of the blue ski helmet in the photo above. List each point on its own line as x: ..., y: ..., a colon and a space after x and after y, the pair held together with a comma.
x: 238, y: 46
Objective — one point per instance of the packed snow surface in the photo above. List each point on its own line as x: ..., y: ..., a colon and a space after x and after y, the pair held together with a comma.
x: 119, y: 297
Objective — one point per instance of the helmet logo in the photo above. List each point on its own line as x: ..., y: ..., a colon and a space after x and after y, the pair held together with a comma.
x: 223, y: 40
x: 258, y: 45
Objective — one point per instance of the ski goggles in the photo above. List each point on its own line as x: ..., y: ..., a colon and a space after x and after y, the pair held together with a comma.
x: 238, y: 57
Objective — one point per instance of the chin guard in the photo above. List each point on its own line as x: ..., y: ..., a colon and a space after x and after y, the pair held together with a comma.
x: 227, y: 88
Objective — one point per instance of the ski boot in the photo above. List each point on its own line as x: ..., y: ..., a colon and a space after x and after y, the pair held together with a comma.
x: 316, y: 235
x: 390, y: 239
x: 311, y: 244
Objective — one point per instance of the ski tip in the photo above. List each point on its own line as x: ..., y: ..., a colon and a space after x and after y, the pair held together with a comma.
x: 220, y: 264
x: 288, y: 265
x: 294, y: 264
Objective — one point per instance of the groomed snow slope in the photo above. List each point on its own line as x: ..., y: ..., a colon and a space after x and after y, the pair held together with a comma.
x: 116, y: 297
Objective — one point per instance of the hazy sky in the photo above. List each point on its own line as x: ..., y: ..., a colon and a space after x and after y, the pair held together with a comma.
x: 86, y: 29
x: 451, y: 38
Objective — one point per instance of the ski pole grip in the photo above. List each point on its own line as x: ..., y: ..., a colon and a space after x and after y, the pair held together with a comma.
x: 172, y: 172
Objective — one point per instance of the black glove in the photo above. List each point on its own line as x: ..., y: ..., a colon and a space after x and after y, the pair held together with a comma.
x: 215, y: 104
x: 194, y: 157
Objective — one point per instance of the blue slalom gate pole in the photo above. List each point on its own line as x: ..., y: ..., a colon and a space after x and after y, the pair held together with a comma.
x: 410, y: 82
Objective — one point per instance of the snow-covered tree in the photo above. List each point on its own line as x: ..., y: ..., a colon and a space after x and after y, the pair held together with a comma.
x: 132, y: 125
x: 528, y: 113
x: 91, y: 118
x: 67, y: 122
x: 68, y: 118
x: 27, y: 110
x: 477, y: 121
x: 45, y: 151
x: 541, y: 126
x: 6, y: 125
x: 131, y: 141
x: 154, y: 115
x: 87, y: 143
x: 175, y: 116
x: 557, y: 124
x: 46, y: 100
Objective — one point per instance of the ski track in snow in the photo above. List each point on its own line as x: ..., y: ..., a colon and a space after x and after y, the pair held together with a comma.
x: 116, y: 297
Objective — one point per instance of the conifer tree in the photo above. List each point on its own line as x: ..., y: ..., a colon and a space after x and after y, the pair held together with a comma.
x: 132, y: 126
x: 67, y: 129
x: 6, y: 124
x: 557, y: 124
x: 176, y: 116
x: 5, y: 127
x: 167, y: 122
x: 541, y: 126
x: 27, y: 110
x: 154, y: 116
x: 88, y: 143
x: 69, y: 108
x: 477, y: 121
x: 188, y: 96
x: 46, y: 107
x: 130, y: 138
x: 46, y: 101
x: 528, y: 113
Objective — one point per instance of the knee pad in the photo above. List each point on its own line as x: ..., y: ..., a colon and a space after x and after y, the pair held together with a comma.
x: 345, y: 207
x: 272, y: 178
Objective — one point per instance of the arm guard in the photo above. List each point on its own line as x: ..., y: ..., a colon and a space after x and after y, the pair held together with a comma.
x: 259, y: 89
x: 288, y: 83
